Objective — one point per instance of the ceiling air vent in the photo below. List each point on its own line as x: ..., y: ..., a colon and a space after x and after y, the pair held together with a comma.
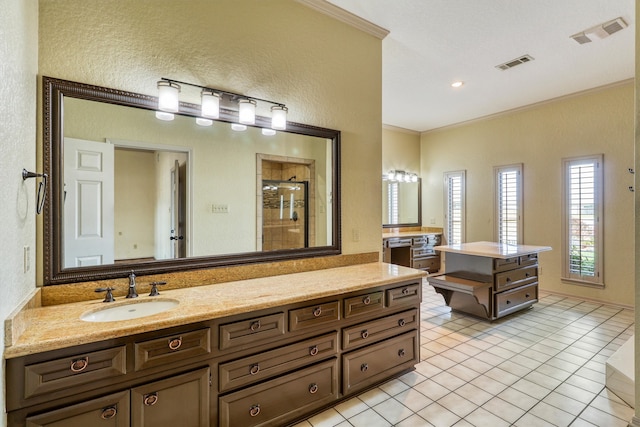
x: 514, y: 62
x: 600, y: 31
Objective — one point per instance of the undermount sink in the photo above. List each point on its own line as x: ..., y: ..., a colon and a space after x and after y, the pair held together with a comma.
x: 129, y: 310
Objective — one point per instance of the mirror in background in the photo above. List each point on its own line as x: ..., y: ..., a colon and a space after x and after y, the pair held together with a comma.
x: 401, y: 203
x: 131, y: 192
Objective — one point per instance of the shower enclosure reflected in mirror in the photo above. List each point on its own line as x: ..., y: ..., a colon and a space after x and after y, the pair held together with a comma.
x: 401, y: 204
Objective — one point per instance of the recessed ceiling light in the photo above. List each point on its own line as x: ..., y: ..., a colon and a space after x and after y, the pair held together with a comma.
x: 457, y: 84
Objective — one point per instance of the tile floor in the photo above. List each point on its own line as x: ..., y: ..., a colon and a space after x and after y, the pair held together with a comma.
x: 540, y: 367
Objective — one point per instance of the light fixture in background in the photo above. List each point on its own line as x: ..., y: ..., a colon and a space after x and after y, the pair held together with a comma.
x: 247, y: 111
x: 212, y: 100
x: 457, y: 84
x: 400, y: 176
x: 168, y: 96
x: 600, y: 31
x: 167, y: 117
x: 279, y: 117
x: 203, y: 122
x: 268, y: 132
x: 210, y: 104
x: 238, y: 128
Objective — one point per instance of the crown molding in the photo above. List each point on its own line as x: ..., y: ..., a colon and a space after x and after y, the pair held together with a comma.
x: 340, y: 14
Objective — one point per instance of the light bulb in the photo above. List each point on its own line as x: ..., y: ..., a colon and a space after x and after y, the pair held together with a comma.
x: 247, y: 111
x: 210, y: 104
x: 279, y: 117
x: 391, y: 175
x: 204, y: 122
x: 268, y: 132
x: 167, y: 117
x: 238, y: 128
x: 168, y: 96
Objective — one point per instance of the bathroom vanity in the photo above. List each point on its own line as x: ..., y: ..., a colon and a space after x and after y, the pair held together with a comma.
x: 415, y: 249
x: 488, y: 279
x: 259, y: 352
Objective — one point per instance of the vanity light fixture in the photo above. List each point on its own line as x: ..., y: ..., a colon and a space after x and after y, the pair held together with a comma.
x: 212, y: 100
x: 400, y: 176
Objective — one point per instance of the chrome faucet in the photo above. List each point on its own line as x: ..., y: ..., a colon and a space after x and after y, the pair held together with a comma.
x: 132, y: 286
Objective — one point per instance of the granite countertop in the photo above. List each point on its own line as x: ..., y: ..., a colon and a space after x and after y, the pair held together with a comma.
x: 59, y: 326
x: 408, y: 234
x: 492, y: 249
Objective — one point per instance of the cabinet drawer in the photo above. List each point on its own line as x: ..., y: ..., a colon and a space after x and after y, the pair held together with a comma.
x: 72, y: 371
x: 515, y: 299
x: 434, y: 239
x: 280, y: 400
x: 529, y: 259
x: 314, y: 315
x: 514, y: 278
x: 419, y: 241
x: 398, y: 242
x: 364, y: 367
x: 500, y: 264
x: 251, y: 331
x: 430, y: 264
x: 276, y: 362
x: 423, y: 251
x: 370, y: 332
x: 172, y: 348
x: 409, y: 294
x: 363, y: 304
x: 107, y: 411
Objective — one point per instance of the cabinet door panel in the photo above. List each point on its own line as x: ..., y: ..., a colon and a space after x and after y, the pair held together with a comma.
x: 107, y: 411
x: 182, y: 401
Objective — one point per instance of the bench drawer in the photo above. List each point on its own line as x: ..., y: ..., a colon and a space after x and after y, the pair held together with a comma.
x: 268, y: 364
x: 514, y: 278
x: 250, y: 332
x: 370, y: 332
x: 515, y: 299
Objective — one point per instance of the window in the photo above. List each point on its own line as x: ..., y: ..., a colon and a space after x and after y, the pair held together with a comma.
x: 454, y: 215
x: 508, y: 185
x: 582, y: 218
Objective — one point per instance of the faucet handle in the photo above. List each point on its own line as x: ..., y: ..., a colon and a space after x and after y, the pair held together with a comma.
x: 109, y: 296
x: 154, y: 288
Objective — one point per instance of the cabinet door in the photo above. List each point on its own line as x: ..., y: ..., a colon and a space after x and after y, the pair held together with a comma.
x: 182, y: 401
x: 107, y: 411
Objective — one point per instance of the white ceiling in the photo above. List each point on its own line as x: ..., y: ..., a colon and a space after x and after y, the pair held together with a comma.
x: 435, y: 42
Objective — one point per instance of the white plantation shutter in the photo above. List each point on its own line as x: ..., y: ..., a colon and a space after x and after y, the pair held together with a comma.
x: 582, y: 219
x: 454, y: 207
x: 392, y: 202
x: 509, y: 204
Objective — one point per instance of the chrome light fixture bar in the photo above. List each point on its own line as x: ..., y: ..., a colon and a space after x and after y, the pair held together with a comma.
x: 211, y: 98
x: 401, y: 176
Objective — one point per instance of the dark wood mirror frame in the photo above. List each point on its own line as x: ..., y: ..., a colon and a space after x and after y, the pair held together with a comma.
x: 54, y: 91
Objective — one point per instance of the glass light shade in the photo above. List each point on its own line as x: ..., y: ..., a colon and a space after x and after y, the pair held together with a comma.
x: 210, y: 104
x: 238, y: 128
x: 279, y: 117
x: 247, y: 111
x: 268, y: 132
x: 168, y: 96
x: 391, y: 175
x: 167, y: 117
x: 414, y: 177
x: 204, y: 122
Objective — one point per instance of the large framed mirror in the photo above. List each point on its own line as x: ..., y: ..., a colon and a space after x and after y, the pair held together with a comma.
x: 401, y: 203
x: 131, y: 192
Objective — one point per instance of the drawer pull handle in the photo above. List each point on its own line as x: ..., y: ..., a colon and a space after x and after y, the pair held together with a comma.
x: 405, y: 291
x: 317, y: 311
x: 526, y: 274
x: 366, y: 300
x: 364, y: 334
x: 175, y: 343
x: 508, y: 302
x: 313, y: 388
x: 364, y: 367
x: 401, y: 352
x: 401, y: 322
x: 79, y: 365
x: 108, y: 413
x: 254, y: 410
x: 313, y: 351
x: 255, y: 325
x: 150, y: 399
x: 527, y: 295
x: 254, y: 369
x: 508, y: 279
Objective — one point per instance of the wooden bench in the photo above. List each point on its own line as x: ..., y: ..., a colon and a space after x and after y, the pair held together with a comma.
x: 464, y: 294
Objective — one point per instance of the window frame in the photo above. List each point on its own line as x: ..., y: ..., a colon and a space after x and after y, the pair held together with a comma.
x: 597, y: 280
x: 497, y: 173
x: 447, y: 204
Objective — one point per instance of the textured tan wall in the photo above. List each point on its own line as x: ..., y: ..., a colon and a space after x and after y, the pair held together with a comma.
x: 328, y: 73
x: 400, y: 150
x: 596, y: 122
x: 18, y: 68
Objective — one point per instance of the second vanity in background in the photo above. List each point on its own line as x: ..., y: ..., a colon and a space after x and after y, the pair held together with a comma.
x: 413, y: 249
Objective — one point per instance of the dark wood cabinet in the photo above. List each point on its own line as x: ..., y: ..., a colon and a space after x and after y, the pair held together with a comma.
x: 415, y: 250
x: 267, y: 367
